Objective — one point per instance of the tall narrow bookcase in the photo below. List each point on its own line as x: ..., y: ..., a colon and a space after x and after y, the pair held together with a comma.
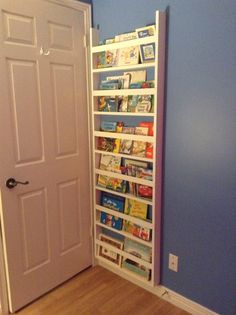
x: 153, y: 225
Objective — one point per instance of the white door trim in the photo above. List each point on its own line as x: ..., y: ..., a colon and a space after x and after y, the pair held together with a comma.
x: 86, y: 9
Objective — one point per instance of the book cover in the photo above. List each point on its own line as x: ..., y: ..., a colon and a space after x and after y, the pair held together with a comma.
x: 111, y: 221
x: 139, y: 250
x: 106, y: 144
x: 111, y: 255
x: 124, y: 79
x: 144, y: 191
x: 136, y: 208
x: 125, y: 146
x: 125, y: 36
x: 108, y: 126
x: 149, y: 125
x: 107, y: 104
x: 132, y: 103
x: 116, y: 184
x: 112, y: 201
x: 137, y: 76
x: 128, y: 56
x: 144, y: 104
x: 139, y: 148
x: 107, y: 58
x: 142, y: 131
x: 123, y: 104
x: 147, y: 51
x: 149, y: 150
x: 128, y: 130
x: 110, y: 163
x: 137, y: 230
x: 146, y: 31
x: 140, y: 270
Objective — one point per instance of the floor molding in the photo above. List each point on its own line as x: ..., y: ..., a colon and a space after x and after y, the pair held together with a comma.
x: 166, y: 294
x: 181, y: 301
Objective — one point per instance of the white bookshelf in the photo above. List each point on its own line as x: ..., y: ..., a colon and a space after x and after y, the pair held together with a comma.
x: 156, y: 116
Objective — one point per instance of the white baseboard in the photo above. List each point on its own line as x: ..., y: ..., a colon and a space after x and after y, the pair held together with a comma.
x: 182, y: 302
x: 166, y: 294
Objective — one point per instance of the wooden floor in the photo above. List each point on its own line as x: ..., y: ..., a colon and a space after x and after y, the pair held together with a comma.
x: 97, y: 291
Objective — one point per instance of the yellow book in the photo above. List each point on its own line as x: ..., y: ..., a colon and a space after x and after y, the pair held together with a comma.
x: 136, y: 208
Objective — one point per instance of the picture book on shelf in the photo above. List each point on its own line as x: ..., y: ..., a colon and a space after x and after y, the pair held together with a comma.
x: 149, y: 150
x: 139, y: 148
x: 107, y: 58
x: 124, y: 79
x: 128, y: 56
x: 140, y: 270
x: 123, y: 104
x: 116, y: 184
x: 108, y: 126
x: 140, y: 103
x: 106, y: 144
x: 137, y: 76
x: 114, y: 203
x: 110, y: 163
x: 125, y: 146
x: 137, y: 230
x: 147, y: 51
x: 139, y: 250
x: 144, y: 191
x: 109, y: 254
x: 125, y: 36
x: 107, y: 104
x: 149, y: 125
x: 136, y: 208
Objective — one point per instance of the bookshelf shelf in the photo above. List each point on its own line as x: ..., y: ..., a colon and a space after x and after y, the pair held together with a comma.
x: 136, y: 185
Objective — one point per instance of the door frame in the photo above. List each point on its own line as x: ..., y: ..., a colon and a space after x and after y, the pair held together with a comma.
x: 86, y: 9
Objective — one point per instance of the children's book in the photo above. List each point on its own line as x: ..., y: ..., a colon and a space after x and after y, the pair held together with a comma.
x: 108, y: 126
x: 107, y: 58
x: 147, y: 51
x: 149, y: 150
x: 143, y: 131
x: 136, y: 208
x: 144, y: 104
x: 139, y: 250
x: 112, y: 201
x: 139, y: 148
x: 123, y: 104
x: 107, y: 104
x: 126, y: 146
x: 106, y: 144
x: 137, y: 76
x: 149, y: 125
x: 125, y: 36
x: 137, y: 230
x: 115, y: 203
x: 140, y: 270
x: 110, y: 163
x: 144, y: 191
x: 129, y: 130
x: 124, y: 79
x: 128, y: 56
x: 116, y: 184
x: 108, y: 254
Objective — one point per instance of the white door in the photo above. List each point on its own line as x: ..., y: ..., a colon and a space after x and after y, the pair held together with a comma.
x: 44, y: 141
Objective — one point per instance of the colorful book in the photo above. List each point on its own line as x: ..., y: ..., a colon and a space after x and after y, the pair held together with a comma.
x: 126, y: 146
x: 136, y: 208
x: 108, y: 126
x: 107, y: 58
x: 108, y: 254
x: 139, y: 148
x: 140, y: 270
x: 137, y: 230
x: 106, y: 144
x: 139, y: 250
x: 110, y: 163
x: 107, y: 104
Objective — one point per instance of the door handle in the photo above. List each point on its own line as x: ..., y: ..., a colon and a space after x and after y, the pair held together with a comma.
x: 11, y: 183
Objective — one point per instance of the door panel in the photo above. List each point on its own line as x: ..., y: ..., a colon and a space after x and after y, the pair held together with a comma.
x: 44, y: 139
x: 34, y: 214
x: 63, y: 77
x: 26, y: 110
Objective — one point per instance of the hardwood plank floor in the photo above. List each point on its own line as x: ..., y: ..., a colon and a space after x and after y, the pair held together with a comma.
x: 97, y: 291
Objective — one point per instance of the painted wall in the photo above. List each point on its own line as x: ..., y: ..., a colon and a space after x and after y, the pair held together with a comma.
x: 199, y: 213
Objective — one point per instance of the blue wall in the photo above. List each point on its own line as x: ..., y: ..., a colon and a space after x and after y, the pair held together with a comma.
x: 199, y: 213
